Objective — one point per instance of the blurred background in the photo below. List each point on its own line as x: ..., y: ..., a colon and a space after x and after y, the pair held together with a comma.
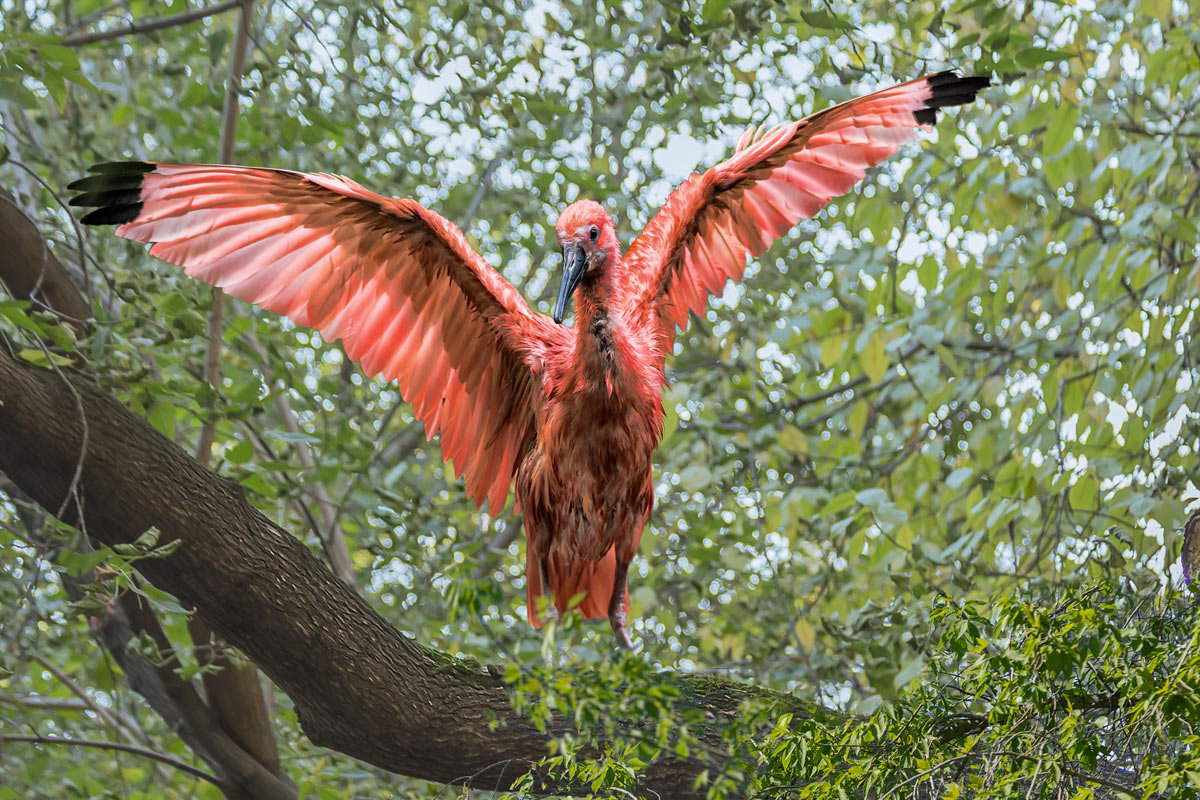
x: 973, y: 377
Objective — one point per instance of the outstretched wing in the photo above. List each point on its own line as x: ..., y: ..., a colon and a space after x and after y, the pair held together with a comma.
x: 711, y: 223
x: 397, y: 283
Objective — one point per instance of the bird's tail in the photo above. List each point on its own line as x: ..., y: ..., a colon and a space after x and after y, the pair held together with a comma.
x: 593, y: 577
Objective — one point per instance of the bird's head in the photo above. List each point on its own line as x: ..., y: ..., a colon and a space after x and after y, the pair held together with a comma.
x: 589, y: 246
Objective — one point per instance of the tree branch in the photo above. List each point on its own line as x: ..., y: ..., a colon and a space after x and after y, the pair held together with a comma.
x: 179, y: 703
x: 359, y: 686
x: 126, y: 726
x: 229, y: 117
x: 173, y: 698
x: 331, y: 534
x: 47, y: 283
x: 124, y: 748
x: 107, y: 716
x: 173, y: 21
x: 234, y: 691
x: 497, y: 547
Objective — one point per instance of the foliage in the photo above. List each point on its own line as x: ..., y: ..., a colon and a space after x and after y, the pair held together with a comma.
x: 1075, y: 691
x: 929, y: 459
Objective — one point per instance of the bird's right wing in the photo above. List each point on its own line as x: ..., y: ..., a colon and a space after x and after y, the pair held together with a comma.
x: 397, y: 283
x: 711, y: 223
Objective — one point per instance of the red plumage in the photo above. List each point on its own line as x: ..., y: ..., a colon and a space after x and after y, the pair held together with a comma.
x: 573, y: 416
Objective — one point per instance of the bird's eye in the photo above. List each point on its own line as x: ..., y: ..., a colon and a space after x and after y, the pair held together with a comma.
x: 594, y: 233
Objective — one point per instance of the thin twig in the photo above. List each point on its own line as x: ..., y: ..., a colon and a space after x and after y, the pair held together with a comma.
x: 124, y: 748
x: 95, y: 16
x: 105, y: 714
x: 497, y: 547
x: 484, y: 182
x: 1074, y: 773
x: 331, y: 534
x: 150, y: 26
x: 216, y: 317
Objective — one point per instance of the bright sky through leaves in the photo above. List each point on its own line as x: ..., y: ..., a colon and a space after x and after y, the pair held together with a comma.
x: 960, y: 398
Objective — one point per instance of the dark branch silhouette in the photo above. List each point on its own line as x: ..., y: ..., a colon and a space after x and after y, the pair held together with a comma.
x: 149, y: 26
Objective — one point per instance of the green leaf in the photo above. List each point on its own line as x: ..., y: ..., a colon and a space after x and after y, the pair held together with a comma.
x: 240, y: 453
x: 909, y: 672
x: 695, y: 477
x: 793, y: 439
x: 42, y: 358
x: 839, y: 503
x: 1084, y: 492
x: 871, y: 498
x: 714, y: 10
x: 890, y: 516
x: 857, y: 420
x: 63, y: 57
x: 832, y: 348
x: 39, y: 358
x: 1036, y: 56
x: 958, y: 477
x: 197, y: 93
x: 873, y: 358
x: 162, y: 417
x: 1060, y: 130
x: 79, y: 563
x: 259, y: 484
x: 823, y: 20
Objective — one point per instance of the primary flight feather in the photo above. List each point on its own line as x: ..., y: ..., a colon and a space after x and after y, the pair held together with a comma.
x: 572, y: 416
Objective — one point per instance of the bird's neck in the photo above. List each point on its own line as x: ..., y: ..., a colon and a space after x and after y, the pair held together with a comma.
x: 595, y: 298
x: 597, y: 328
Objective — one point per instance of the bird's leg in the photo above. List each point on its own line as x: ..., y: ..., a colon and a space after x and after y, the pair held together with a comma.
x: 616, y: 606
x: 551, y: 609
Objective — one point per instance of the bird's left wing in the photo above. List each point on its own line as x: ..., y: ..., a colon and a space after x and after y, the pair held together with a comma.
x: 397, y: 283
x: 710, y: 224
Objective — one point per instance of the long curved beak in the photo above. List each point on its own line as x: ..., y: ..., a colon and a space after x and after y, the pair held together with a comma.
x: 574, y: 265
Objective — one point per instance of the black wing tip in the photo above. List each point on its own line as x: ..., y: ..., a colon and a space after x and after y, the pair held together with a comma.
x: 949, y: 89
x: 925, y: 116
x: 94, y: 183
x: 114, y: 190
x: 122, y: 168
x: 107, y: 197
x: 113, y: 215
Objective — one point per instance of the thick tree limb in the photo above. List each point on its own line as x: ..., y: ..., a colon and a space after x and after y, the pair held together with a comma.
x: 235, y: 735
x: 30, y: 270
x: 359, y: 686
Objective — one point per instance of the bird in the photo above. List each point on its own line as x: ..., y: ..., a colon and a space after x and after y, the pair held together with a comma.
x: 568, y: 415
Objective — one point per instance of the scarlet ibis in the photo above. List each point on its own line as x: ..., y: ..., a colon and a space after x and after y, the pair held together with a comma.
x: 574, y: 416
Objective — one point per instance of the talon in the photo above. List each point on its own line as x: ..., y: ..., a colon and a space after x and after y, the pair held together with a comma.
x: 621, y: 629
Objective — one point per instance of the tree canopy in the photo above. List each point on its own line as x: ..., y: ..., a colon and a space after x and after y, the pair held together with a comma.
x: 923, y: 478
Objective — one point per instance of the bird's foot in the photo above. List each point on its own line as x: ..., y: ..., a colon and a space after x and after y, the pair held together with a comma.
x: 551, y: 615
x: 620, y: 628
